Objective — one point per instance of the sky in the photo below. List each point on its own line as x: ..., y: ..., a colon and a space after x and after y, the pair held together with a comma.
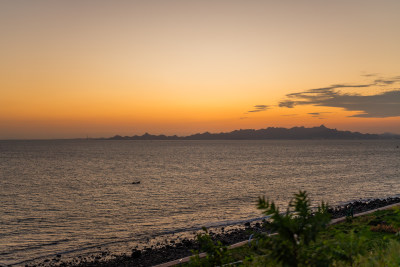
x: 97, y: 68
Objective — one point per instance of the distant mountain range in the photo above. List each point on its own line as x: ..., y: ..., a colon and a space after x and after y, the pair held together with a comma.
x: 270, y: 133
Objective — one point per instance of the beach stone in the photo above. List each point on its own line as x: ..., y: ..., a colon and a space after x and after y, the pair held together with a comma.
x: 136, y: 253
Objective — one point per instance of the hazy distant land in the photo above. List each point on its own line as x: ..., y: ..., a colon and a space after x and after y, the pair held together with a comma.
x: 270, y: 133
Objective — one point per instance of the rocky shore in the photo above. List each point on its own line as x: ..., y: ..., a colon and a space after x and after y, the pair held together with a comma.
x: 176, y: 249
x: 361, y: 206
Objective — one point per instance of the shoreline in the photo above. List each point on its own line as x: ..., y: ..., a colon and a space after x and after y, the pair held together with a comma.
x: 174, y: 249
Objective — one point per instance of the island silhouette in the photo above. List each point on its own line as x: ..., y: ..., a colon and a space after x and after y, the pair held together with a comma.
x: 270, y: 133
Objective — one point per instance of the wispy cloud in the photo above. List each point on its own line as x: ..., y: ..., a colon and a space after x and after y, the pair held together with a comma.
x: 259, y: 108
x: 317, y: 114
x: 386, y: 104
x: 370, y: 75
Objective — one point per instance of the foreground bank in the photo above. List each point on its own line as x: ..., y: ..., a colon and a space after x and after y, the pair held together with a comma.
x: 176, y: 249
x: 367, y: 239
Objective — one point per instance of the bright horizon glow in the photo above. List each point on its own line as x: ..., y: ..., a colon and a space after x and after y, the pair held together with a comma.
x: 100, y: 68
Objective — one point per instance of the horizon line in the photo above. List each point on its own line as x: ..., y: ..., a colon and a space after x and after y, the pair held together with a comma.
x: 179, y: 136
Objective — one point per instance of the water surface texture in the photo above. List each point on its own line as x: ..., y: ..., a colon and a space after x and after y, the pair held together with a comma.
x: 60, y: 196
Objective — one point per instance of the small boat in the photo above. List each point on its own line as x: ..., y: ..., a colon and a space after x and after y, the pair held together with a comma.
x: 138, y: 182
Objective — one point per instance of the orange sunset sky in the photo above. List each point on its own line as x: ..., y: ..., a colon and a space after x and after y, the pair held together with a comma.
x: 99, y: 68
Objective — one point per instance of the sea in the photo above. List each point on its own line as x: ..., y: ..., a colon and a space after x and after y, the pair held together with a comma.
x: 73, y: 196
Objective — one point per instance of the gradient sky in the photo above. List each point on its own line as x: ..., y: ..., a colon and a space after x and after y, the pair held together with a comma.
x: 100, y: 68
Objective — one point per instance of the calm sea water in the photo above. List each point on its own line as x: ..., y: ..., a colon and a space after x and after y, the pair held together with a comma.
x: 68, y: 196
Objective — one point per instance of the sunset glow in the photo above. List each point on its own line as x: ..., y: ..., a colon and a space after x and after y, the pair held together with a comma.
x: 99, y: 68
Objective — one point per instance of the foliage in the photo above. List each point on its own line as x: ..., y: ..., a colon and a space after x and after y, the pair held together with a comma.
x: 388, y: 256
x: 303, y: 238
x: 347, y: 247
x: 296, y: 229
x: 217, y: 253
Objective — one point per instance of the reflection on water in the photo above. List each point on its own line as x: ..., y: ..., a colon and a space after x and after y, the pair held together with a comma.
x: 61, y: 195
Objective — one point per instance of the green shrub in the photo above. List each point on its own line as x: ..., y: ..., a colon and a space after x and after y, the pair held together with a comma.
x: 348, y: 247
x: 296, y: 229
x: 388, y: 256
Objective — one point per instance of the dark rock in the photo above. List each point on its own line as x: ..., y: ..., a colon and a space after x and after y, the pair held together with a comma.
x: 136, y: 253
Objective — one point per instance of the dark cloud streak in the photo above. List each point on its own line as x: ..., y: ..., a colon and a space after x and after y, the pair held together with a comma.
x: 259, y: 108
x: 317, y: 114
x: 386, y: 104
